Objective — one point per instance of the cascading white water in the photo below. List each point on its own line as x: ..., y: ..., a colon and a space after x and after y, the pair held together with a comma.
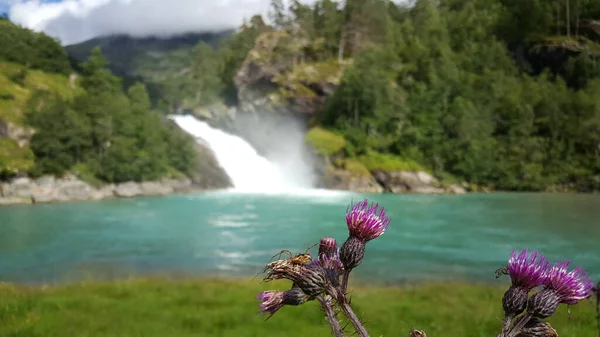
x: 249, y: 172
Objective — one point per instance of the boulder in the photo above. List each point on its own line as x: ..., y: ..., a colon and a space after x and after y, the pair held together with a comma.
x: 337, y: 179
x: 408, y: 182
x: 456, y: 189
x: 128, y: 190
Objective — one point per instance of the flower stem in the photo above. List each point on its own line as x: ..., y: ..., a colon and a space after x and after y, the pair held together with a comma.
x: 345, y: 278
x: 506, y: 325
x: 333, y: 322
x: 519, y: 324
x: 347, y: 310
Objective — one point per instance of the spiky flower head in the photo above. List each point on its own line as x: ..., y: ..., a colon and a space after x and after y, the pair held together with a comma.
x: 366, y: 222
x: 527, y: 270
x: 332, y: 266
x: 273, y: 300
x: 560, y: 286
x: 572, y: 286
x: 327, y: 246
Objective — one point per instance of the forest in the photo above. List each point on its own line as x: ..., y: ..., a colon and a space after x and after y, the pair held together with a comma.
x: 499, y: 93
x: 101, y: 130
x: 503, y: 94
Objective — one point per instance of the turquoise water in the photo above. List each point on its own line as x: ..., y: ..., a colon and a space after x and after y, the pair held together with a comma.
x: 228, y: 234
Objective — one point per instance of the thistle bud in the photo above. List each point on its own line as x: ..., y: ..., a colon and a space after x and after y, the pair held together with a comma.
x: 514, y: 301
x: 352, y: 252
x: 332, y: 266
x: 328, y: 247
x: 543, y: 304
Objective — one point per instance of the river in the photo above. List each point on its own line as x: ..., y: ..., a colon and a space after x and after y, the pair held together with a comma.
x: 228, y: 234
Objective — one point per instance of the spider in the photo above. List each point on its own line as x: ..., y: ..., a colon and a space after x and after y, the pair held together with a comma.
x: 299, y: 259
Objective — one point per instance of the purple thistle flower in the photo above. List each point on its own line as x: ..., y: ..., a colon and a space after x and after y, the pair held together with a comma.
x: 272, y: 300
x: 572, y: 286
x: 527, y: 270
x: 366, y: 222
x: 330, y: 263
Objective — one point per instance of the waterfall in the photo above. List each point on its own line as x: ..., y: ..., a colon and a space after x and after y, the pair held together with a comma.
x: 248, y: 171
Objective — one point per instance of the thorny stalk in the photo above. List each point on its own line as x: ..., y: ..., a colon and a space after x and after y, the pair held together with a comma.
x: 506, y: 322
x: 347, y: 310
x: 519, y: 324
x: 327, y: 306
x: 345, y: 277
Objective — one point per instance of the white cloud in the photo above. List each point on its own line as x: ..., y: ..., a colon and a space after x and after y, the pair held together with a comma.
x: 74, y: 21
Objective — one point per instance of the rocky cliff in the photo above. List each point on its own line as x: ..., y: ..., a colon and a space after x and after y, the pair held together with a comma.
x: 275, y: 89
x: 274, y: 79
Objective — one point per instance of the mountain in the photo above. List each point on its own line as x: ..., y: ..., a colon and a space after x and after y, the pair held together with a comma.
x: 129, y: 55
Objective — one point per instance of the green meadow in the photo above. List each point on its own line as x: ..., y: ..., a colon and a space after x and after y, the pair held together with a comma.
x: 219, y: 307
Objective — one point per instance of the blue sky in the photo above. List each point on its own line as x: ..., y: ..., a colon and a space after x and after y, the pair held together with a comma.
x: 6, y: 4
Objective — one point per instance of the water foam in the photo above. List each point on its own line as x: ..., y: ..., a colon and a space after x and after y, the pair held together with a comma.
x: 250, y: 172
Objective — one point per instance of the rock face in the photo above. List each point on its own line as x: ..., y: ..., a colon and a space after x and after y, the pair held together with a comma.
x: 273, y: 79
x: 404, y: 182
x: 48, y: 189
x: 209, y: 174
x: 21, y: 134
x: 413, y: 182
x: 344, y: 180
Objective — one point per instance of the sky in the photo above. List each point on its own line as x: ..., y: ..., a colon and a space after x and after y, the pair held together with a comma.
x: 73, y: 21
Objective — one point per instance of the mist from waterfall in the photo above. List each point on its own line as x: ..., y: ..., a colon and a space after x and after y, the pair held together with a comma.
x: 285, y: 171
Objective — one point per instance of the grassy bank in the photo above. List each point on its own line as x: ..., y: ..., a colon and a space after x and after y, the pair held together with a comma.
x: 160, y: 307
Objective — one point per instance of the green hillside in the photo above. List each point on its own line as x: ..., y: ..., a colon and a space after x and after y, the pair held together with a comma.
x: 17, y: 83
x: 53, y: 120
x: 130, y: 57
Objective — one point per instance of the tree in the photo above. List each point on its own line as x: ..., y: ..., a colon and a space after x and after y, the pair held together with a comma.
x: 278, y: 15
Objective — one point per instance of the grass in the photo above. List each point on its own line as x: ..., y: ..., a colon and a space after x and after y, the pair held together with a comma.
x: 386, y: 162
x: 14, y: 95
x: 14, y: 158
x: 326, y: 143
x: 212, y: 307
x: 355, y: 167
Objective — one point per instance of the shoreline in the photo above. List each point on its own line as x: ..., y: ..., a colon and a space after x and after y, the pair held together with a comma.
x: 40, y: 194
x: 186, y: 278
x: 69, y: 189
